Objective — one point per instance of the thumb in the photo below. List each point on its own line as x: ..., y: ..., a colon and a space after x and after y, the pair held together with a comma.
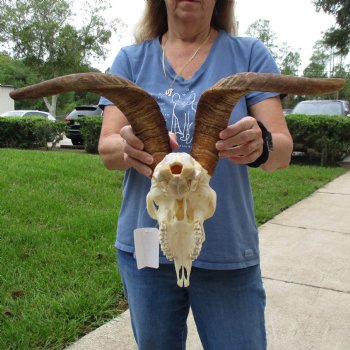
x: 172, y: 141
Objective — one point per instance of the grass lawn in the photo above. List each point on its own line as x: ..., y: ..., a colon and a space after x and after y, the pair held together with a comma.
x: 58, y: 212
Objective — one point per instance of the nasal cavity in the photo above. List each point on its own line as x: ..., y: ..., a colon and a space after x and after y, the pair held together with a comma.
x: 176, y: 168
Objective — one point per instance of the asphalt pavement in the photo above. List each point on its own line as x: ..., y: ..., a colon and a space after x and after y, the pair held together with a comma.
x: 305, y: 262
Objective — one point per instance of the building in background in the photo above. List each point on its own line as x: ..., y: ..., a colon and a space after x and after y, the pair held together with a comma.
x: 6, y: 102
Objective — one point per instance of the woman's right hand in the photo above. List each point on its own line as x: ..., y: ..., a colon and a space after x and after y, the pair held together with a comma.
x: 120, y: 148
x: 134, y: 156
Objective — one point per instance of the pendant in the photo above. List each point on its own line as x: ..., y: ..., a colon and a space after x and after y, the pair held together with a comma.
x: 169, y: 91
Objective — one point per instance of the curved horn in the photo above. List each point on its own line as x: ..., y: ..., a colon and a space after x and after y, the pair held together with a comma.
x: 140, y: 108
x: 216, y: 104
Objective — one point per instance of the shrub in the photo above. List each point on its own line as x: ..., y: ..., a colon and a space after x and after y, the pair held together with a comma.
x: 322, y: 137
x: 29, y: 132
x: 90, y: 132
x: 326, y: 138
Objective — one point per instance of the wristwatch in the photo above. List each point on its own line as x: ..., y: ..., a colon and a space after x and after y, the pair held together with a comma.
x: 267, y: 147
x: 267, y: 137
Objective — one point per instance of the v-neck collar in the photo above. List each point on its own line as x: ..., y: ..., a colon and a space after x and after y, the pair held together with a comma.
x: 171, y: 72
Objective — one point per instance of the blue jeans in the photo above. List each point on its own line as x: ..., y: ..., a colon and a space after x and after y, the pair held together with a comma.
x: 227, y: 306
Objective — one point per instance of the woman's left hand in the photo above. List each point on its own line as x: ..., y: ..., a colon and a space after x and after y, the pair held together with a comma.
x: 241, y: 142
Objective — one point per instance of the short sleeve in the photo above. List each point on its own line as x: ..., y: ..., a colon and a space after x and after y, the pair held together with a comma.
x: 120, y: 67
x: 261, y: 61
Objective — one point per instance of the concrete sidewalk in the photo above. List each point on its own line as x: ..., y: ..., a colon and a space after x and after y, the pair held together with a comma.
x: 305, y: 261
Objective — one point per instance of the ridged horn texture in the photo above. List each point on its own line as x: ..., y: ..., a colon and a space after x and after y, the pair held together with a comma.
x: 216, y: 104
x: 140, y: 108
x: 213, y: 110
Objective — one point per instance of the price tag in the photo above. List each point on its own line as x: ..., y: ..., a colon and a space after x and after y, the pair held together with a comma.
x: 147, y: 247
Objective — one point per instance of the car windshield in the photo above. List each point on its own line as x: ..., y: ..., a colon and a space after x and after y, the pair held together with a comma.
x: 12, y: 114
x: 328, y: 108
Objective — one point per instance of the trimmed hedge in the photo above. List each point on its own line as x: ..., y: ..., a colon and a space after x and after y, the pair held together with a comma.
x: 90, y: 128
x: 321, y: 137
x: 30, y: 132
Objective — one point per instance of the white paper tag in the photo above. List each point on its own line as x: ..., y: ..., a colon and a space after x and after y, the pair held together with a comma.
x: 147, y: 247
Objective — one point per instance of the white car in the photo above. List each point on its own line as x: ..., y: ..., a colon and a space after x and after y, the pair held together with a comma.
x: 28, y: 113
x: 323, y: 107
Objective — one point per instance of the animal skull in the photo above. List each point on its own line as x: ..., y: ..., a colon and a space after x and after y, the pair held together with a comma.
x: 180, y: 199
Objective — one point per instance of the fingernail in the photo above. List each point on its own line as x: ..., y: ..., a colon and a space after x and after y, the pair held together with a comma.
x: 219, y: 144
x: 149, y: 160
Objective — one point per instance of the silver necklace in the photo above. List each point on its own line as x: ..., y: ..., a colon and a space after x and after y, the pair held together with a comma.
x: 170, y: 89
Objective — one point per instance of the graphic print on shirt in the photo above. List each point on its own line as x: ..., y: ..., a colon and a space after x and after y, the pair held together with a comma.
x: 182, y: 116
x: 179, y: 112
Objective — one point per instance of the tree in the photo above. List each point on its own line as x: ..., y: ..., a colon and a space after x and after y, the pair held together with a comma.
x: 317, y: 67
x: 337, y: 36
x: 261, y: 30
x: 41, y: 33
x: 289, y: 60
x: 343, y: 71
x: 16, y: 73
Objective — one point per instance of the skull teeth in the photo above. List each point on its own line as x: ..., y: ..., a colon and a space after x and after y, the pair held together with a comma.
x: 199, y: 238
x: 164, y: 243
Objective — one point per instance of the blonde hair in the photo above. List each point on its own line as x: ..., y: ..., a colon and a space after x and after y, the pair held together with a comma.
x: 154, y: 23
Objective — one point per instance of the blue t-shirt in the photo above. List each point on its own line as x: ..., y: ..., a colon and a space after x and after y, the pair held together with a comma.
x: 231, y: 234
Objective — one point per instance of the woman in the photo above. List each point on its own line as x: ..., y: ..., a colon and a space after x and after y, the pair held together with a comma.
x: 183, y: 48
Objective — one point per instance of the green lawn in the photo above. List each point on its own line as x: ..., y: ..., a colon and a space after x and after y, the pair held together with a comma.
x: 58, y: 212
x: 278, y: 190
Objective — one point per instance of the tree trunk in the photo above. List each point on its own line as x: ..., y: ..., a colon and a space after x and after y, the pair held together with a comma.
x: 51, y: 106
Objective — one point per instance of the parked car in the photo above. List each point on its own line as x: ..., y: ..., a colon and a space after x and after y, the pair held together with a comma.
x: 287, y: 111
x: 323, y: 107
x: 73, y: 131
x: 28, y: 113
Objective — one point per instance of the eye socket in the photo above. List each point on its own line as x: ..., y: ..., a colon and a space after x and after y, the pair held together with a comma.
x: 176, y: 168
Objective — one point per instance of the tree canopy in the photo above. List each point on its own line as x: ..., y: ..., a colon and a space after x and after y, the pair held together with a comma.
x: 287, y: 59
x: 337, y: 36
x: 261, y: 30
x: 44, y: 34
x: 324, y: 62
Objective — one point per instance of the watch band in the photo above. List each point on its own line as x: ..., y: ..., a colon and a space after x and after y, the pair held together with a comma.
x: 267, y: 147
x: 266, y: 135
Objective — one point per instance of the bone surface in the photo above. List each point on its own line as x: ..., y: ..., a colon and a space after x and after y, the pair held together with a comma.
x: 180, y: 200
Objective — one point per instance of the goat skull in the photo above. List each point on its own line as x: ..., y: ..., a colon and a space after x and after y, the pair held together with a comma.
x: 180, y: 199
